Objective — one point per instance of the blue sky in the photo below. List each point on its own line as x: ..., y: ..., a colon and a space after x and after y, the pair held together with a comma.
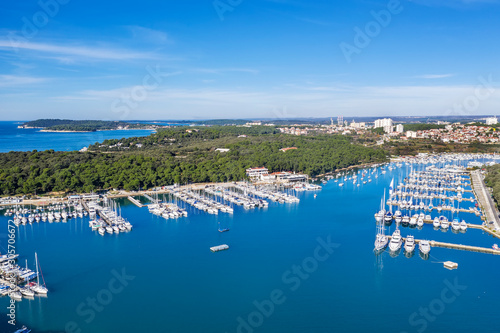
x: 248, y: 59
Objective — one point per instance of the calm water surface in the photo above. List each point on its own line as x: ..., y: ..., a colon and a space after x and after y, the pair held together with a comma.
x: 177, y: 285
x: 19, y: 139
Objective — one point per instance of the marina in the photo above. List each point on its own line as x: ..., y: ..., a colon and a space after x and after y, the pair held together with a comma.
x: 258, y: 238
x: 416, y: 197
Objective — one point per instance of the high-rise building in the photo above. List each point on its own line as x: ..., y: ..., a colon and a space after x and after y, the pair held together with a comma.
x: 386, y: 122
x: 491, y: 121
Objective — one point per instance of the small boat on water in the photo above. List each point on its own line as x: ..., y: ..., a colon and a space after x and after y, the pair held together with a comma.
x: 396, y: 241
x: 424, y: 246
x: 455, y: 225
x: 445, y: 224
x: 410, y: 243
x: 463, y: 225
x: 388, y: 216
x: 495, y: 247
x: 436, y: 222
x: 16, y: 295
x: 27, y: 291
x: 381, y: 239
x: 36, y: 286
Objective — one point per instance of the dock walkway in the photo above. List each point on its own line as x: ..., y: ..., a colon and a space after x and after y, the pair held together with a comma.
x: 484, y: 199
x: 135, y: 201
x: 458, y: 246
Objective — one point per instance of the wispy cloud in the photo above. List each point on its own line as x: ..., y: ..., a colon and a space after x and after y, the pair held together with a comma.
x: 224, y: 70
x: 149, y: 35
x: 69, y: 53
x: 434, y: 76
x: 16, y: 80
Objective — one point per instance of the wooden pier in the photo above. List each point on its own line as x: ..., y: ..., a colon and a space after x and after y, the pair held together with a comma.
x: 150, y: 198
x: 461, y: 210
x: 469, y: 226
x: 457, y: 246
x: 135, y: 201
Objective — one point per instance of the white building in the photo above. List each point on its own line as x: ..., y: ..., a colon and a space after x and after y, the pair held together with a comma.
x: 388, y: 129
x: 411, y: 134
x: 491, y: 121
x: 386, y: 122
x: 400, y: 128
x: 357, y: 125
x: 255, y: 173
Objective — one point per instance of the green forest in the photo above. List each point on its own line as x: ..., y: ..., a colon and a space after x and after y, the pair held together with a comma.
x: 179, y: 155
x: 492, y: 180
x: 79, y: 125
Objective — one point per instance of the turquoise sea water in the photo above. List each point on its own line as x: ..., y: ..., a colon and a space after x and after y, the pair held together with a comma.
x: 178, y: 285
x: 13, y: 138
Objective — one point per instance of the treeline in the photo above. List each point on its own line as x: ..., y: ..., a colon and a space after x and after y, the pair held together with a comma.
x: 421, y: 127
x: 80, y: 125
x: 191, y: 158
x: 492, y: 180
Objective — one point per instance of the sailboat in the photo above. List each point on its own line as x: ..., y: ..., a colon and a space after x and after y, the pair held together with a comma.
x: 381, y: 239
x: 37, y: 287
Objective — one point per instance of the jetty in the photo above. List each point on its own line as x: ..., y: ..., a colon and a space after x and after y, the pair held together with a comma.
x: 135, y: 201
x: 457, y: 246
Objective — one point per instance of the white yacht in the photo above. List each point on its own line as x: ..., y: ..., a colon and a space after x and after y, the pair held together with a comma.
x: 463, y: 225
x: 16, y: 295
x: 27, y: 291
x: 381, y: 239
x: 398, y: 216
x: 455, y: 225
x: 396, y: 241
x: 36, y: 286
x: 410, y: 244
x: 424, y: 246
x: 445, y: 224
x: 436, y: 222
x: 413, y: 220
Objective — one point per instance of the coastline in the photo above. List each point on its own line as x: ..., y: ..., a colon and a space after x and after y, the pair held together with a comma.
x: 100, y: 130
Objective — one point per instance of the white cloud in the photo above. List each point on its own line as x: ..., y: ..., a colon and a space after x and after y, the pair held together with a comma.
x: 224, y: 70
x: 173, y: 103
x: 68, y: 53
x: 16, y: 80
x: 434, y: 76
x: 149, y: 35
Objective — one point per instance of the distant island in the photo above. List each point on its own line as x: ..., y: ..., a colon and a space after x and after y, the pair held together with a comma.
x: 66, y: 125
